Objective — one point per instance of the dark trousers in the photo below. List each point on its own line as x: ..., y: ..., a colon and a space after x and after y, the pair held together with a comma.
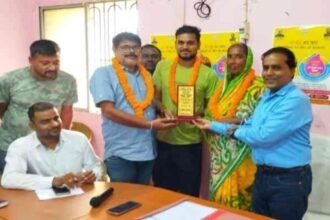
x: 282, y: 193
x: 178, y: 167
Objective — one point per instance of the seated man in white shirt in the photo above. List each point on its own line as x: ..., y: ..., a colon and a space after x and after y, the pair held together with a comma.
x: 50, y: 156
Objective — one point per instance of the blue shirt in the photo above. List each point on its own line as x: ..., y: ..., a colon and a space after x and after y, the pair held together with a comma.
x: 130, y: 143
x: 278, y: 130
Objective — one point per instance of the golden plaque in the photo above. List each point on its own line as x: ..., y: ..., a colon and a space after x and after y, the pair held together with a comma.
x: 186, y: 103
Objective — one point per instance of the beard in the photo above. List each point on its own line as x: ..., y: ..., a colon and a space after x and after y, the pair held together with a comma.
x: 151, y: 70
x: 53, y: 133
x: 51, y: 74
x: 187, y: 58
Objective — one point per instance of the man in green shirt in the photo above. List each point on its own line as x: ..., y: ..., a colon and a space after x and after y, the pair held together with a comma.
x: 178, y: 165
x: 42, y: 81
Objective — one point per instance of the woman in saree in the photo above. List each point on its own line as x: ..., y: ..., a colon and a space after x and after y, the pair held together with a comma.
x: 232, y: 169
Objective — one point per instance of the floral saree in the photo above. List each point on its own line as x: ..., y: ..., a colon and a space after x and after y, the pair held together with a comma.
x: 232, y: 169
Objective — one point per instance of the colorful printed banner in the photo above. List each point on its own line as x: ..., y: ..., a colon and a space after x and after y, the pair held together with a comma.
x: 311, y: 46
x: 213, y: 46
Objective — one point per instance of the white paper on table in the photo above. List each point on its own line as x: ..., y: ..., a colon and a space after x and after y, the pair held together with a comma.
x: 182, y: 211
x: 45, y: 194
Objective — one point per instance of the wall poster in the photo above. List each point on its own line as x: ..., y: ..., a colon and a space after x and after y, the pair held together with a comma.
x: 311, y: 46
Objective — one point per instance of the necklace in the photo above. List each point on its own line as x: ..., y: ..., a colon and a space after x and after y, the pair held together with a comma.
x: 214, y: 100
x: 138, y: 106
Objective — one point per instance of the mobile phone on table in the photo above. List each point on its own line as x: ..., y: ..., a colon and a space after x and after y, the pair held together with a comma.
x: 3, y: 203
x: 61, y: 190
x: 123, y: 208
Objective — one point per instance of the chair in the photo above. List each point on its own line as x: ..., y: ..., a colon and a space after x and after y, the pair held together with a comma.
x: 105, y: 176
x: 83, y: 128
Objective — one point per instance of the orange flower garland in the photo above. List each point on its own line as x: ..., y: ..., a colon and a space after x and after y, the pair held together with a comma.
x: 191, y: 81
x: 241, y: 91
x: 128, y: 92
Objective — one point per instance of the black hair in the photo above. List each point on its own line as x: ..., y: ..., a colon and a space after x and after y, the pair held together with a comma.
x: 290, y: 57
x: 125, y: 36
x: 39, y: 107
x: 44, y: 47
x: 152, y: 46
x: 189, y: 29
x: 240, y: 45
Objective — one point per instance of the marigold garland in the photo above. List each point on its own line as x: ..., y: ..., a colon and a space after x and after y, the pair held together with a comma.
x: 128, y: 92
x: 191, y: 81
x: 241, y: 91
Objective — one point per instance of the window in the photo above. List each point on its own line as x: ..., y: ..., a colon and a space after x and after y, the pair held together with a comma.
x: 84, y: 34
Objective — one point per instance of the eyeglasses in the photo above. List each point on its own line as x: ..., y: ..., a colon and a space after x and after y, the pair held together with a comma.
x: 127, y: 48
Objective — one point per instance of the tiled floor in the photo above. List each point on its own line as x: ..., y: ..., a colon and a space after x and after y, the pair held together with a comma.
x: 316, y: 216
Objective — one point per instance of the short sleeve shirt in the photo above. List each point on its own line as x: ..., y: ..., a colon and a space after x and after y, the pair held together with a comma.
x: 184, y: 133
x: 130, y: 143
x: 19, y: 90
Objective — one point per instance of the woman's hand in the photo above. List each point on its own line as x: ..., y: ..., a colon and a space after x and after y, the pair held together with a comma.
x: 202, y: 123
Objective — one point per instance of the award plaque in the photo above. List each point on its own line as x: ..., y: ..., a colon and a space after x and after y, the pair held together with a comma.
x: 186, y: 103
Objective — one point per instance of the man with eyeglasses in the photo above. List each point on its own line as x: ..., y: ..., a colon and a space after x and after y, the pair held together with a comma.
x: 124, y: 92
x: 41, y: 81
x: 151, y: 55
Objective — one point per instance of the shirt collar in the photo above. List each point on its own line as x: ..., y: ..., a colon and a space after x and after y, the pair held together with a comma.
x: 282, y: 91
x: 136, y: 73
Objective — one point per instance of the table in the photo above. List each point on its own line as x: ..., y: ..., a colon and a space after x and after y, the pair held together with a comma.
x: 25, y: 204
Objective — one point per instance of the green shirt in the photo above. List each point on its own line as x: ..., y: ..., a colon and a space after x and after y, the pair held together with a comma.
x: 19, y: 90
x: 184, y: 133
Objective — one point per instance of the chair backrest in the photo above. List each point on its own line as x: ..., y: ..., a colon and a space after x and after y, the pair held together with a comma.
x: 83, y: 128
x: 105, y: 176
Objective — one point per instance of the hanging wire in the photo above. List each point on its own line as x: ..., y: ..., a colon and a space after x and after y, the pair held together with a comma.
x: 203, y: 9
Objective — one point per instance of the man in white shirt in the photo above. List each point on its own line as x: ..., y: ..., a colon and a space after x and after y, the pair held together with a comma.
x: 49, y: 157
